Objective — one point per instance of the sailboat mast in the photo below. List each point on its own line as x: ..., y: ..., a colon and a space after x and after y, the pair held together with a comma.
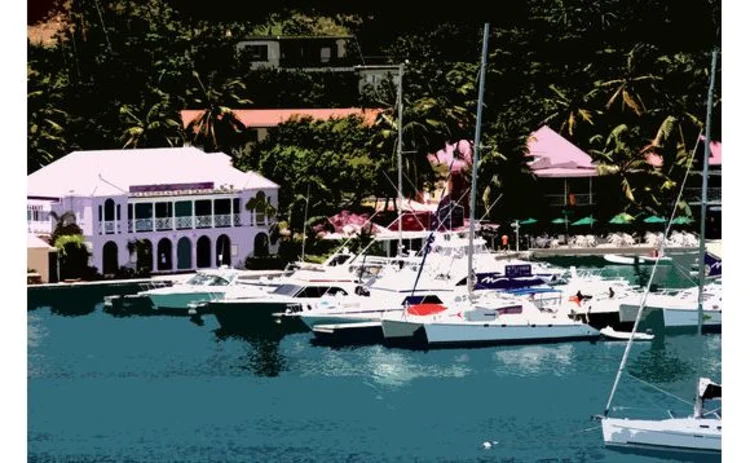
x: 475, y: 159
x: 399, y: 150
x: 704, y: 193
x: 304, y: 224
x: 704, y: 200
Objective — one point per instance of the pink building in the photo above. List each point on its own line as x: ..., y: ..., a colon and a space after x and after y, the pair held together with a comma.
x: 187, y: 206
x: 566, y: 172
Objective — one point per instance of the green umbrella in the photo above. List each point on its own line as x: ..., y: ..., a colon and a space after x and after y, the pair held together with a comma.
x: 528, y: 221
x: 584, y: 221
x: 682, y: 221
x: 622, y: 219
x: 559, y: 220
x: 654, y: 219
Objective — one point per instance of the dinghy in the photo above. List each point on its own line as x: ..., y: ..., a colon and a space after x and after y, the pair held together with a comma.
x: 626, y: 260
x: 610, y: 333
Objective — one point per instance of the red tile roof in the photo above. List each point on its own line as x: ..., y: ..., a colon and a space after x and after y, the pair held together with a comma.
x: 260, y: 118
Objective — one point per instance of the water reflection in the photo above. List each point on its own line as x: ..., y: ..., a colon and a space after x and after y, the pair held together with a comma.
x: 533, y: 360
x: 262, y: 352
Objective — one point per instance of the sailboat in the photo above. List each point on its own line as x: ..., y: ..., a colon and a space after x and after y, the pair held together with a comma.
x: 699, y: 433
x: 488, y: 318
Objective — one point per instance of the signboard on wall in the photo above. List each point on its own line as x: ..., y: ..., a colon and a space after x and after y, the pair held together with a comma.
x: 171, y: 187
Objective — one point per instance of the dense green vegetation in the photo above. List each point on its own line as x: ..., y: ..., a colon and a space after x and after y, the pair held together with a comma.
x: 613, y: 76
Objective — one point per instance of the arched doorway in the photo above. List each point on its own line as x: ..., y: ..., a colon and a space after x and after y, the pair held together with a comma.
x: 203, y: 251
x: 144, y: 251
x: 223, y: 250
x: 184, y: 254
x: 110, y: 264
x: 260, y: 248
x: 164, y: 254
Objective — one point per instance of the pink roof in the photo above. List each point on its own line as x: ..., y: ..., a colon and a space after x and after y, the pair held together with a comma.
x: 554, y: 156
x: 714, y: 158
x: 259, y: 118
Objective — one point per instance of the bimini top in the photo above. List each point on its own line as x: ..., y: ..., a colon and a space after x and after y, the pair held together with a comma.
x: 709, y: 390
x: 140, y: 171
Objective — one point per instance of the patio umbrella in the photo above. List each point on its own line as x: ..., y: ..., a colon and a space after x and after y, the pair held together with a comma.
x: 622, y: 219
x: 584, y: 221
x: 559, y: 220
x: 654, y: 219
x: 528, y: 221
x: 682, y: 221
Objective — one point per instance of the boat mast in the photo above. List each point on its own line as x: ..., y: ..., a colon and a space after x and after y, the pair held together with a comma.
x: 475, y: 159
x: 702, y: 248
x: 304, y: 224
x: 399, y: 150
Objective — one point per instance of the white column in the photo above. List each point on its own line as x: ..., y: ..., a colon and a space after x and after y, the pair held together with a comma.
x: 194, y: 251
x: 231, y: 212
x: 174, y: 216
x: 213, y: 223
x: 192, y: 211
x: 153, y: 216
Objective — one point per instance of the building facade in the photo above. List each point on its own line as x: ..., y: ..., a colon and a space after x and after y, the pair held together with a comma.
x: 167, y: 209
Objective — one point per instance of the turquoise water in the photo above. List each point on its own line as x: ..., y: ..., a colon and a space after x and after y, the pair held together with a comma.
x: 155, y: 389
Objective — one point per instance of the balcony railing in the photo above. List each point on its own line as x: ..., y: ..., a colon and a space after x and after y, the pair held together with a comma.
x: 130, y: 225
x: 693, y: 195
x: 109, y: 227
x: 203, y: 221
x: 40, y: 226
x: 224, y: 220
x: 142, y: 225
x: 583, y: 199
x: 164, y: 223
x: 237, y: 221
x: 184, y: 222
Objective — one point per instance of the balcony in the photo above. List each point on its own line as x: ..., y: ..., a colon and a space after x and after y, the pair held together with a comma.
x: 203, y: 221
x: 693, y: 195
x: 109, y: 227
x: 144, y: 225
x: 40, y: 226
x: 583, y: 199
x: 223, y: 220
x: 164, y: 223
x: 130, y: 225
x: 183, y: 223
x: 237, y: 221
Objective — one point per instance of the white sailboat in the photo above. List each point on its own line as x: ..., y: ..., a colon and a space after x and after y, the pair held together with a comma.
x: 489, y: 318
x: 699, y: 433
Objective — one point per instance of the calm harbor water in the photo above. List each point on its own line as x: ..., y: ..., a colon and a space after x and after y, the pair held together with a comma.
x: 156, y: 389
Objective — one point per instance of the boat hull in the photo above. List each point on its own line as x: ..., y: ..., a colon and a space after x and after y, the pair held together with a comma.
x: 688, y: 318
x: 180, y: 302
x: 443, y: 334
x: 676, y: 435
x: 246, y: 316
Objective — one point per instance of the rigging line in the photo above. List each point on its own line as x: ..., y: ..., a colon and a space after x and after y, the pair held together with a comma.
x: 401, y: 198
x: 104, y: 28
x: 660, y: 389
x: 659, y: 255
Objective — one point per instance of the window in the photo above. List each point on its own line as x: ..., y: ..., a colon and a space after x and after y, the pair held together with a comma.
x: 313, y: 292
x: 325, y: 54
x: 257, y: 52
x: 334, y: 291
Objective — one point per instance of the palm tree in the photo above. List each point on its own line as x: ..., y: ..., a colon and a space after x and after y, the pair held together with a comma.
x: 217, y: 128
x: 631, y: 87
x: 46, y: 135
x: 621, y: 156
x: 154, y: 127
x: 570, y: 108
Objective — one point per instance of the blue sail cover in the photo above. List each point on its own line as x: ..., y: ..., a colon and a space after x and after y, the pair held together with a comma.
x: 712, y: 265
x: 502, y: 282
x: 449, y: 215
